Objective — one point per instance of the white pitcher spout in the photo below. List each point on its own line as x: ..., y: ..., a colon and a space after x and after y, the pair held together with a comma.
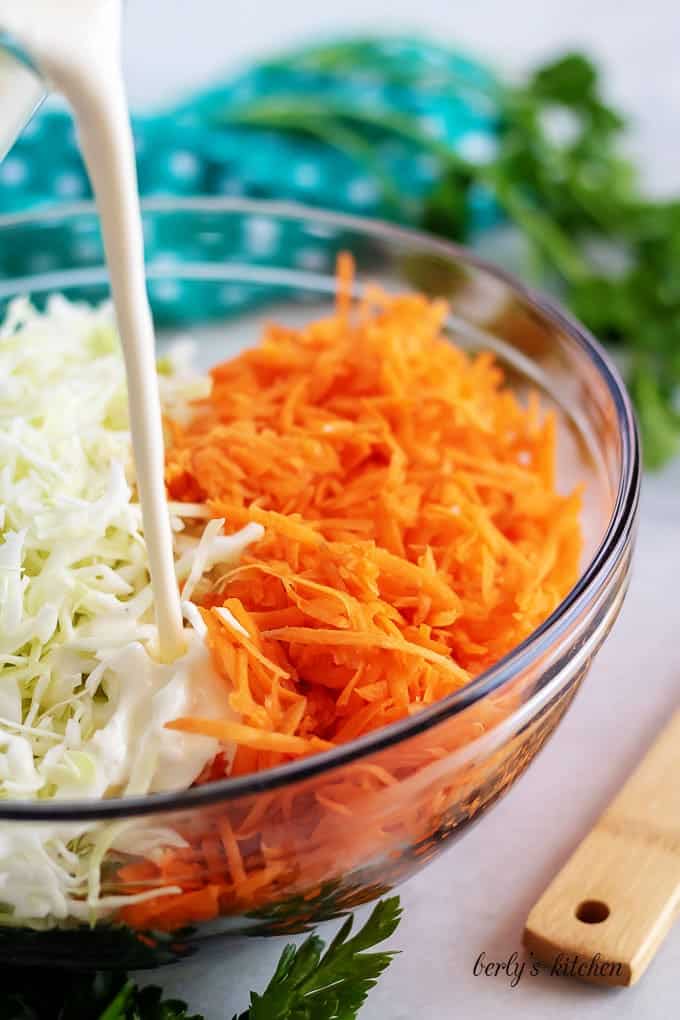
x: 22, y: 90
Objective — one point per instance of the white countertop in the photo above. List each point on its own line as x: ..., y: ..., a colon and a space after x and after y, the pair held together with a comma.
x: 476, y: 896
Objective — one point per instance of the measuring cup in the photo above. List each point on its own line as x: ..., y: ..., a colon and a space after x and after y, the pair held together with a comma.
x: 22, y: 90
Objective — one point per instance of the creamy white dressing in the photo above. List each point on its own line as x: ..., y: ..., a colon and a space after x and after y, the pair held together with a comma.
x: 134, y: 753
x: 76, y: 44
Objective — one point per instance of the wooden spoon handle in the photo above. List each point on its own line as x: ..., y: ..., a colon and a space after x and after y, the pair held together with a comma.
x: 606, y: 913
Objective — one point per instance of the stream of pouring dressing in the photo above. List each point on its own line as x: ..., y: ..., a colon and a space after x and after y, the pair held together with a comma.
x: 76, y: 44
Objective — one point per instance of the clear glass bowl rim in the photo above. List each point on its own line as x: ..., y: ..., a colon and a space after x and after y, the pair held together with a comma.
x: 594, y: 578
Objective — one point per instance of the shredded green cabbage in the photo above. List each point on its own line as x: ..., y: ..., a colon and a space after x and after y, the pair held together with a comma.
x: 82, y: 702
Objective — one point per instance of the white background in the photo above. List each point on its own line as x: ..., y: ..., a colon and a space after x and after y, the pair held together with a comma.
x: 476, y: 897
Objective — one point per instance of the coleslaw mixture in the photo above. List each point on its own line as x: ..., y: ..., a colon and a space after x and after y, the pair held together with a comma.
x: 400, y: 528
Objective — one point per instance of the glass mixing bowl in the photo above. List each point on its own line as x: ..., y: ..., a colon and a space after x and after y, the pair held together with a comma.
x: 275, y: 852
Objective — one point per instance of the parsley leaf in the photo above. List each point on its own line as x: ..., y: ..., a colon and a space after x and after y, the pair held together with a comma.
x: 310, y: 984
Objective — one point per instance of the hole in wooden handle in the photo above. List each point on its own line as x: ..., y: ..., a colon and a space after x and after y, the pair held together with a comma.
x: 616, y: 897
x: 592, y: 911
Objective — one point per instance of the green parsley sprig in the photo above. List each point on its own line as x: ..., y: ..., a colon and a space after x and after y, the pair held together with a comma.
x: 311, y: 982
x: 612, y: 254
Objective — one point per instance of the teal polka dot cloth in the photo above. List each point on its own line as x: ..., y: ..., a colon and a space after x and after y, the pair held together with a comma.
x: 362, y: 126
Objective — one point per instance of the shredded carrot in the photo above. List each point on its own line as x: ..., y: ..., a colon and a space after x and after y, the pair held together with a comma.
x: 166, y: 913
x: 260, y: 740
x: 414, y: 534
